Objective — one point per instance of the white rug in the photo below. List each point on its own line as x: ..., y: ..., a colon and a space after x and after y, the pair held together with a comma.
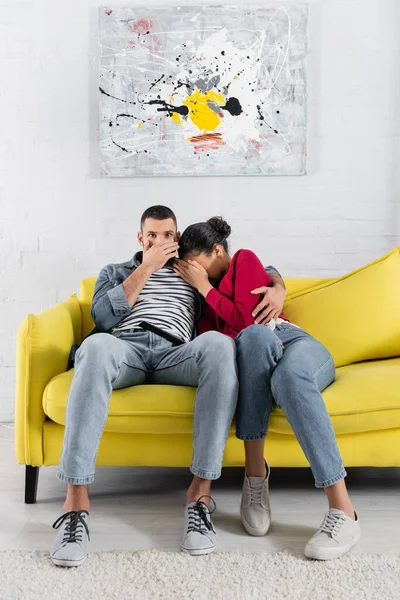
x: 152, y: 574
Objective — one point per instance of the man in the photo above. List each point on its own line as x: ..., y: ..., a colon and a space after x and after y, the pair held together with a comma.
x: 147, y: 313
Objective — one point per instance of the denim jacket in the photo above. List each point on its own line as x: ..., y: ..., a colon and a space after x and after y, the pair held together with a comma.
x: 110, y: 305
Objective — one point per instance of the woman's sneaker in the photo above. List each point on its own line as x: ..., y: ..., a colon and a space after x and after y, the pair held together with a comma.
x: 199, y: 536
x: 70, y: 546
x: 335, y: 537
x: 255, y: 510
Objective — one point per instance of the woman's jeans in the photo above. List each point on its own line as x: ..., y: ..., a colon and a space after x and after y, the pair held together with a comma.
x: 106, y: 362
x: 292, y: 378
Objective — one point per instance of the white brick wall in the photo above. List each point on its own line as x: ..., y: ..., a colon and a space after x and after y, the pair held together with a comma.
x: 59, y: 221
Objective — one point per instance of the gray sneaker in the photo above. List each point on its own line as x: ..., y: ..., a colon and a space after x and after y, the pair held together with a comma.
x: 255, y: 509
x: 335, y: 537
x: 199, y: 536
x: 69, y: 547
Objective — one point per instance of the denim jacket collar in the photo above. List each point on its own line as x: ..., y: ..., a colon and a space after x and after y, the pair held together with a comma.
x: 136, y: 261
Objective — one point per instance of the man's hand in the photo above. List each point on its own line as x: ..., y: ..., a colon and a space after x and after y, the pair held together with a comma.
x: 194, y: 274
x: 156, y: 257
x: 271, y: 305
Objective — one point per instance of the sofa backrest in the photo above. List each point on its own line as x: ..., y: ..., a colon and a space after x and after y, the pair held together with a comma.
x: 85, y: 300
x: 293, y: 284
x: 297, y: 284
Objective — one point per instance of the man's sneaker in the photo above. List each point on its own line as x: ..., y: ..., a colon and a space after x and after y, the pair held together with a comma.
x: 199, y: 536
x: 255, y: 509
x: 69, y: 547
x: 335, y: 537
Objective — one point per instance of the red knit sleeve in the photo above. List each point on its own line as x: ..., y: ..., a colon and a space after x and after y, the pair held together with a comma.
x: 248, y: 274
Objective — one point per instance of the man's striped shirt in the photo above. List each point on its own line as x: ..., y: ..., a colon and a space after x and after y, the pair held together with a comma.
x: 166, y: 302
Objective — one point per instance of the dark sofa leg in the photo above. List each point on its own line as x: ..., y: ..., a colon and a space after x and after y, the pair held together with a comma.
x: 31, y: 481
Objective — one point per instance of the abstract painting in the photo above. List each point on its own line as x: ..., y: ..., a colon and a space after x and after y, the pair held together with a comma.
x: 203, y: 90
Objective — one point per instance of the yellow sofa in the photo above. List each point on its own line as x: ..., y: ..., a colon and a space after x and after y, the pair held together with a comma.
x: 152, y: 425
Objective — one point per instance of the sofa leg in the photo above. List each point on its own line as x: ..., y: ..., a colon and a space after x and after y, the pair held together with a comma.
x: 31, y: 481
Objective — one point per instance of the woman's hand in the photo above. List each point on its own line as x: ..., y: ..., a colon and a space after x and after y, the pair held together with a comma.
x: 194, y: 274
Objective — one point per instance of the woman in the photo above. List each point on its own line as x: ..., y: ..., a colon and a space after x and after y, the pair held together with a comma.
x: 279, y: 364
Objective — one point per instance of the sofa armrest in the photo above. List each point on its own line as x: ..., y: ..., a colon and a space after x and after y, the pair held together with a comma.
x: 43, y: 346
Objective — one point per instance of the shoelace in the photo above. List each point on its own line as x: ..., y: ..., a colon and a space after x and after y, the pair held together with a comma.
x: 332, y: 523
x: 198, y: 517
x: 73, y: 529
x: 256, y: 493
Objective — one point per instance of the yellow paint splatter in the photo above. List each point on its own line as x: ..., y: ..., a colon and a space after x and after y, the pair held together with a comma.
x: 139, y: 125
x: 176, y: 118
x: 200, y: 113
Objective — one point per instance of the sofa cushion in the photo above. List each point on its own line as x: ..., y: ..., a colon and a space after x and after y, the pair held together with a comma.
x: 364, y: 397
x: 357, y: 317
x: 137, y: 409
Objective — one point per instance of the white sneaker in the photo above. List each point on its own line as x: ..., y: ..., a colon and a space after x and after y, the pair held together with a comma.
x: 199, y: 536
x: 335, y: 537
x: 70, y: 546
x: 255, y: 510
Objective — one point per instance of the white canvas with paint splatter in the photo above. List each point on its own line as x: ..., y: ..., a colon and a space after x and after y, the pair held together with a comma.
x: 211, y: 90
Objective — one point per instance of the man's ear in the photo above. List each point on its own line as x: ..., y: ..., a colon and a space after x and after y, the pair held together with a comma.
x: 140, y: 238
x: 178, y: 236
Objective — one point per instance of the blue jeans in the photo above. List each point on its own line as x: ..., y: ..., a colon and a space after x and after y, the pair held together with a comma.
x: 292, y: 378
x: 105, y: 362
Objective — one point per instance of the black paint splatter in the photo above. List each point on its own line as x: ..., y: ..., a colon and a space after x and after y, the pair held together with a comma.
x: 233, y: 106
x: 169, y: 108
x: 180, y: 84
x: 158, y: 80
x: 120, y: 147
x: 115, y: 97
x: 127, y: 115
x: 262, y: 118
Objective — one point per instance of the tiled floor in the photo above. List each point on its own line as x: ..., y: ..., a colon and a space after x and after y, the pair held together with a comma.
x: 143, y: 508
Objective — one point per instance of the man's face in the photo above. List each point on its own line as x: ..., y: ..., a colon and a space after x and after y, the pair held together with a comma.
x: 155, y: 232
